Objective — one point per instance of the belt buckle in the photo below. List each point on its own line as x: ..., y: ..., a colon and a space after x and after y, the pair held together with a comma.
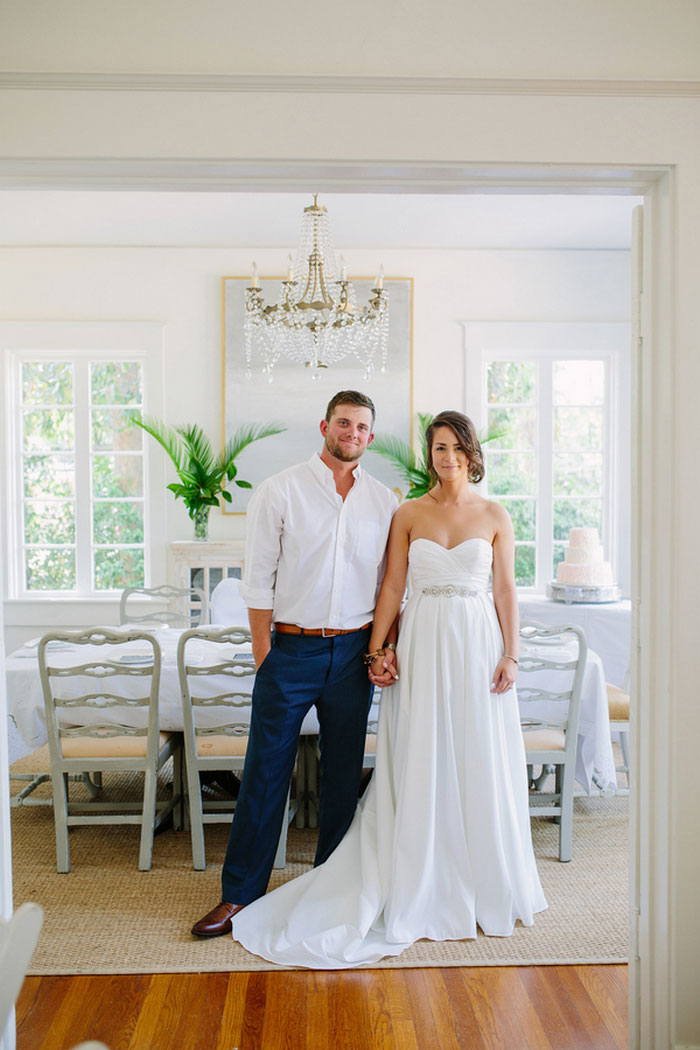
x: 323, y: 633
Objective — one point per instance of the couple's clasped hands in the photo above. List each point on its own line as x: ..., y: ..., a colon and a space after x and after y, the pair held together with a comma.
x: 384, y: 671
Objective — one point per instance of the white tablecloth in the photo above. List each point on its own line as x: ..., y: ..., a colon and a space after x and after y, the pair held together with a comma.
x: 595, y: 763
x: 606, y: 626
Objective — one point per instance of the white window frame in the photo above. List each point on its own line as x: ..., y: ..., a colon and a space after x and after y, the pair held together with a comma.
x: 106, y: 341
x: 542, y: 341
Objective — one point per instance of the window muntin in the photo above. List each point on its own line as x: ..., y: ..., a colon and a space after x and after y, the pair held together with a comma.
x: 548, y: 465
x: 82, y: 514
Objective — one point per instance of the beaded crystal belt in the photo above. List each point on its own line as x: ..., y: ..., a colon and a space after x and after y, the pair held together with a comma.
x: 451, y: 590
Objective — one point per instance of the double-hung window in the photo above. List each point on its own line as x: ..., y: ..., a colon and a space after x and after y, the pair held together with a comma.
x: 555, y: 398
x: 79, y: 512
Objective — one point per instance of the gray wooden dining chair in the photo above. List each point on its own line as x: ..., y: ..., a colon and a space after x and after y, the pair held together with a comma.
x: 550, y: 741
x: 169, y: 606
x: 77, y: 695
x: 216, y: 733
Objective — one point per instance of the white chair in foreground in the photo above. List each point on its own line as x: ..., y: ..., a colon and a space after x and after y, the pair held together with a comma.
x: 227, y: 606
x: 557, y: 656
x: 75, y: 691
x: 171, y: 606
x: 18, y: 938
x: 221, y: 744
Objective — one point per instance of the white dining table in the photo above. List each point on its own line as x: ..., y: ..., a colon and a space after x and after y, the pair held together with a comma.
x: 595, y: 765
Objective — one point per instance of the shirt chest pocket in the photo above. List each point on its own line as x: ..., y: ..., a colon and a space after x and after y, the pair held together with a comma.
x: 369, y: 542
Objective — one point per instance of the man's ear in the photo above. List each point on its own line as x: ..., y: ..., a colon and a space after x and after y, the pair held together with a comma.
x: 323, y: 427
x: 371, y: 439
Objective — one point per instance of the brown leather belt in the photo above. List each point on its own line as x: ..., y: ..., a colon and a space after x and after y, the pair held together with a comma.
x: 318, y: 632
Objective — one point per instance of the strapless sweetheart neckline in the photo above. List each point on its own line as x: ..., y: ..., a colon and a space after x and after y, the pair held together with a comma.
x: 435, y: 543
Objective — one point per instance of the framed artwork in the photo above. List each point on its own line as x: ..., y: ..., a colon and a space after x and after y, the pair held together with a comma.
x: 298, y: 402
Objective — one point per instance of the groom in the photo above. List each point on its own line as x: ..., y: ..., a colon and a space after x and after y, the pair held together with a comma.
x: 316, y: 536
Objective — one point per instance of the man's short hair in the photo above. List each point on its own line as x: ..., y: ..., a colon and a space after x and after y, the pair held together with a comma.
x: 350, y: 397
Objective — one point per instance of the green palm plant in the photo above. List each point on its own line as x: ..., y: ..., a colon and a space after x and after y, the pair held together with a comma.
x: 203, y: 475
x: 410, y: 466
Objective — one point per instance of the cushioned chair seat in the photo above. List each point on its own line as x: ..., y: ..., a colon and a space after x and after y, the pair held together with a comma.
x: 108, y: 746
x: 220, y: 745
x: 545, y: 740
x: 618, y: 704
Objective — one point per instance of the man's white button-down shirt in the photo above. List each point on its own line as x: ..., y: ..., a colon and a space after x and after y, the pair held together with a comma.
x: 313, y: 558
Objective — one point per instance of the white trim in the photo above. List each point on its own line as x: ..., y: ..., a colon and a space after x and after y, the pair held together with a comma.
x: 286, y: 174
x: 652, y: 526
x: 339, y: 83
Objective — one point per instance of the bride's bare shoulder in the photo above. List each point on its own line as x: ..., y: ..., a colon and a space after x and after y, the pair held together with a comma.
x: 497, y: 515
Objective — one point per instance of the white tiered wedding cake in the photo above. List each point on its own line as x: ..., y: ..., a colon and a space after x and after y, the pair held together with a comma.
x: 584, y: 575
x: 583, y: 563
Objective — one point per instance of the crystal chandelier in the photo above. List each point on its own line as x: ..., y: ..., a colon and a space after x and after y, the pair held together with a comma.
x: 316, y: 320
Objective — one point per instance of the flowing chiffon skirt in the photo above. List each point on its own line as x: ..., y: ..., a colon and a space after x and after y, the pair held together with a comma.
x: 440, y: 843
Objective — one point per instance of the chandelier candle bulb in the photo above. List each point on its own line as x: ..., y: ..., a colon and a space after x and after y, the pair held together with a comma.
x: 290, y: 268
x: 254, y: 283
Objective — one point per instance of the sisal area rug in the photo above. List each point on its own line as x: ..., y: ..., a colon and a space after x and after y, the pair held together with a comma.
x: 106, y: 916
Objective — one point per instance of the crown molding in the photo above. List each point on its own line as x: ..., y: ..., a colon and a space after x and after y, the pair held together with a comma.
x: 292, y: 175
x: 342, y: 84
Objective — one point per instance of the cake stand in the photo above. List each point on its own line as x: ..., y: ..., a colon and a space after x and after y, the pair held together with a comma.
x: 568, y: 592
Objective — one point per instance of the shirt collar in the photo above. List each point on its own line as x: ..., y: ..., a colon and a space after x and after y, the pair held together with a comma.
x: 325, y: 474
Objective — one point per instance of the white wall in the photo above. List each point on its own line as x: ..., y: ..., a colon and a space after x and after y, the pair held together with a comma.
x: 502, y: 38
x: 181, y: 287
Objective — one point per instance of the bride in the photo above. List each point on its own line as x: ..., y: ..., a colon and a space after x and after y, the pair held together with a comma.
x: 440, y: 842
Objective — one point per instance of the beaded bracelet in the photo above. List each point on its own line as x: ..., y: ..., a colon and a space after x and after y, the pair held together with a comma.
x: 371, y: 657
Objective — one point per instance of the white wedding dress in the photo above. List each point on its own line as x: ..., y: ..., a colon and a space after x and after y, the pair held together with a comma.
x: 440, y: 843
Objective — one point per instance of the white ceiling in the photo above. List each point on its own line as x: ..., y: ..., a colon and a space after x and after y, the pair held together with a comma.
x: 67, y: 217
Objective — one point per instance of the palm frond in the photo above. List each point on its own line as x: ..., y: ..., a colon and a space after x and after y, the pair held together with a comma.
x: 168, y: 438
x: 198, y: 447
x: 246, y: 435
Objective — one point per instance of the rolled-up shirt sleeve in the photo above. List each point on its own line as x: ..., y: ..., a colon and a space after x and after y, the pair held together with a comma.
x: 263, y: 544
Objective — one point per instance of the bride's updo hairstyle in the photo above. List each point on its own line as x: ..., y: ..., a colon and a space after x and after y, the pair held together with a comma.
x: 464, y: 431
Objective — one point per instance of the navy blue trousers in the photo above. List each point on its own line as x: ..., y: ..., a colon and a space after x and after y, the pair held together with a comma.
x: 299, y: 672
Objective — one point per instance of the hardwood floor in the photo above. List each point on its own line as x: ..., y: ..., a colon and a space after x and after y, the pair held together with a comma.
x: 489, y: 1008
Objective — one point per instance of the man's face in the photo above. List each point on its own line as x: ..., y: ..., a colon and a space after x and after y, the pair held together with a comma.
x: 348, y: 433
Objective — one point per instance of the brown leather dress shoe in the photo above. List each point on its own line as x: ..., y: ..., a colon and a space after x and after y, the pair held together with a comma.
x: 218, y: 921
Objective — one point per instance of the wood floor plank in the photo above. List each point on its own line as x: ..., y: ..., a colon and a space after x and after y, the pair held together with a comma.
x: 488, y: 1008
x: 399, y: 1004
x: 232, y: 1016
x: 317, y: 1008
x: 284, y: 1027
x: 144, y: 1032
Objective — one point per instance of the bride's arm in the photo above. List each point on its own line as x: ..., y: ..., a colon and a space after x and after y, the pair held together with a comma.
x: 392, y: 589
x: 505, y: 598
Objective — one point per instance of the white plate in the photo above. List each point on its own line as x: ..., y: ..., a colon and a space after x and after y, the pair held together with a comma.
x: 33, y: 643
x: 136, y: 658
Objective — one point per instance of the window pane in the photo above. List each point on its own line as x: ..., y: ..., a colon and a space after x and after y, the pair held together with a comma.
x: 118, y: 523
x: 49, y: 522
x: 510, y: 382
x: 517, y: 427
x: 511, y: 473
x: 116, y: 383
x: 578, y: 428
x: 576, y: 513
x: 578, y: 474
x: 112, y: 428
x: 50, y: 570
x: 117, y: 476
x: 47, y: 382
x: 115, y: 569
x: 523, y: 513
x: 47, y: 429
x: 579, y: 382
x: 524, y: 566
x: 49, y: 476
